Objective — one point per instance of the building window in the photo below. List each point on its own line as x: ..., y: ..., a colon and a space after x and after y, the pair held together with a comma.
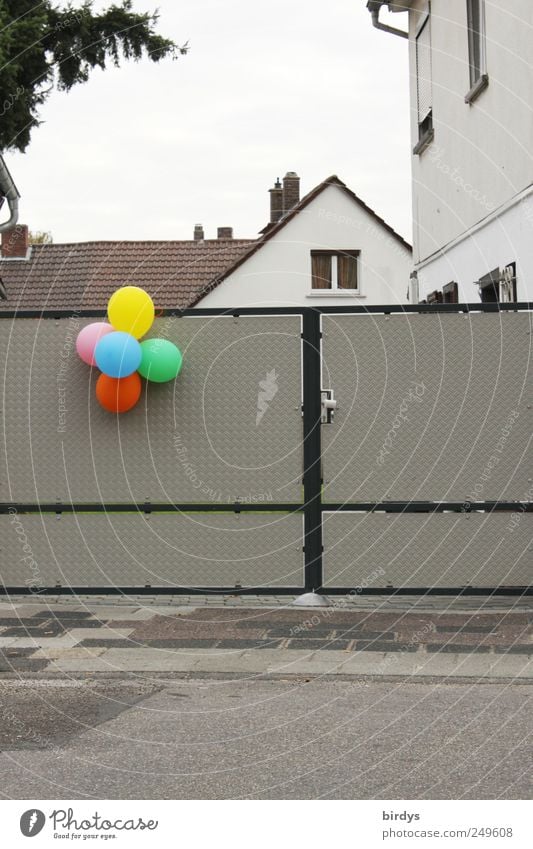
x: 498, y: 286
x: 335, y: 270
x: 508, y: 284
x: 424, y: 88
x: 477, y: 59
x: 450, y: 293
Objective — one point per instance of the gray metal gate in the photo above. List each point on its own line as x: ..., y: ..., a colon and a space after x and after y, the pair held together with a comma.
x: 236, y: 477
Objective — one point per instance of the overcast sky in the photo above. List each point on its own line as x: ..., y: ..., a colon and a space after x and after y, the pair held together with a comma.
x: 148, y: 150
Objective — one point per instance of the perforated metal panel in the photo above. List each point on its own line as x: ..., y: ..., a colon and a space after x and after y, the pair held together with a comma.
x: 159, y: 550
x: 428, y: 549
x: 430, y: 407
x: 228, y: 428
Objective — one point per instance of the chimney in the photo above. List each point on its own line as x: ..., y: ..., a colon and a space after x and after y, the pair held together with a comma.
x: 198, y: 233
x: 291, y: 190
x: 276, y: 202
x: 15, y: 242
x: 225, y: 233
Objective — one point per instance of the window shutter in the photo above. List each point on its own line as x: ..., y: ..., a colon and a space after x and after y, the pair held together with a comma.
x: 475, y: 39
x: 321, y: 271
x: 347, y: 272
x: 450, y: 293
x: 423, y: 71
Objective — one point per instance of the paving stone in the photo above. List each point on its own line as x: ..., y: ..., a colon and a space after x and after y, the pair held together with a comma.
x: 62, y: 614
x: 517, y: 649
x: 65, y: 640
x: 109, y: 643
x: 22, y: 665
x: 361, y: 634
x: 17, y: 652
x: 377, y: 645
x: 180, y: 644
x: 85, y: 624
x: 139, y: 644
x: 73, y: 653
x: 290, y: 633
x: 456, y: 647
x: 10, y: 621
x: 46, y: 630
x: 103, y: 633
x: 319, y: 645
x: 248, y: 644
x: 466, y: 629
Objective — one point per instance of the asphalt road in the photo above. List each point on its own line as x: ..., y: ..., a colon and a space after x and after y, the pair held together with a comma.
x: 211, y: 738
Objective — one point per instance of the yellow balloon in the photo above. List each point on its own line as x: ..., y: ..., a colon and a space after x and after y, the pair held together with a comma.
x: 131, y: 309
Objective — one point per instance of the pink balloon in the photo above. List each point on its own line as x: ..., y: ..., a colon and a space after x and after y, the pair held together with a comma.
x: 89, y: 337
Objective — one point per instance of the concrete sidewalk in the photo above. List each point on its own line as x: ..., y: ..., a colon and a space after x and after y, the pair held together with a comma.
x: 399, y: 636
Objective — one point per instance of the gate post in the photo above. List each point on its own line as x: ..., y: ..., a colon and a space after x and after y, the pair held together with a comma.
x: 312, y: 477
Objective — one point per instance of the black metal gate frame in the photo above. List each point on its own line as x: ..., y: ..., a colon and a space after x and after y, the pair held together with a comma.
x: 313, y: 506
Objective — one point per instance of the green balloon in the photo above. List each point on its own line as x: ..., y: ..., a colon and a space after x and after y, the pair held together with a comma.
x: 160, y: 361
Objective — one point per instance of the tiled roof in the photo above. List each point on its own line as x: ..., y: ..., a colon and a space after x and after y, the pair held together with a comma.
x: 84, y: 275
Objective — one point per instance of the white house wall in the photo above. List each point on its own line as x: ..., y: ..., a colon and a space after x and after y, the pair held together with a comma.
x: 506, y: 238
x: 279, y: 274
x: 481, y: 155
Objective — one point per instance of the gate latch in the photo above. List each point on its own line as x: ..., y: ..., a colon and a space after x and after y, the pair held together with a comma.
x: 329, y: 405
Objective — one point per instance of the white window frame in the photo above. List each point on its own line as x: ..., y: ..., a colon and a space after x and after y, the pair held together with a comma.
x: 425, y: 135
x: 477, y: 42
x: 335, y: 288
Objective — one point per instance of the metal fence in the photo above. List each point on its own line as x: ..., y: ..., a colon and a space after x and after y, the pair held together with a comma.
x: 236, y: 477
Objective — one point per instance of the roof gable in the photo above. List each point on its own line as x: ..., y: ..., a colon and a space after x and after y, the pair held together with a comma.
x: 270, y: 232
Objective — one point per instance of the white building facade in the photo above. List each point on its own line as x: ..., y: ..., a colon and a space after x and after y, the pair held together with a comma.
x: 472, y: 141
x: 329, y: 249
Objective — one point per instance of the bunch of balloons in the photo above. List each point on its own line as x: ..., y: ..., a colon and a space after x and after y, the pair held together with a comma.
x: 114, y: 348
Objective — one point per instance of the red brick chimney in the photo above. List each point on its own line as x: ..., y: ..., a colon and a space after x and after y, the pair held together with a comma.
x: 15, y: 242
x: 291, y: 190
x: 276, y: 202
x: 224, y: 232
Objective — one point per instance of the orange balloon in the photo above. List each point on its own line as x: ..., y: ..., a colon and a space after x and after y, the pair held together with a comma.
x: 118, y: 394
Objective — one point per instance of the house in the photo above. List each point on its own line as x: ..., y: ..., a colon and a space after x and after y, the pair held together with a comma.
x: 471, y: 94
x: 324, y: 247
x: 328, y: 248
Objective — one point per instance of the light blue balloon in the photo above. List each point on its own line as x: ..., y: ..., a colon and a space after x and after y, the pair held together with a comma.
x: 118, y: 354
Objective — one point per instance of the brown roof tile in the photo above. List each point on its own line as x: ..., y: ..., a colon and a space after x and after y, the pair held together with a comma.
x: 84, y: 275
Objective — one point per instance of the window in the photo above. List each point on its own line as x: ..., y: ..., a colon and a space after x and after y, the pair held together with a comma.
x: 498, y: 286
x: 508, y: 284
x: 450, y: 293
x: 424, y: 88
x: 477, y: 60
x: 335, y: 270
x: 489, y: 287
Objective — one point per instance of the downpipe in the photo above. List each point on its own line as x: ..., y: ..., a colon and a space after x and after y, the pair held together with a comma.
x: 374, y: 7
